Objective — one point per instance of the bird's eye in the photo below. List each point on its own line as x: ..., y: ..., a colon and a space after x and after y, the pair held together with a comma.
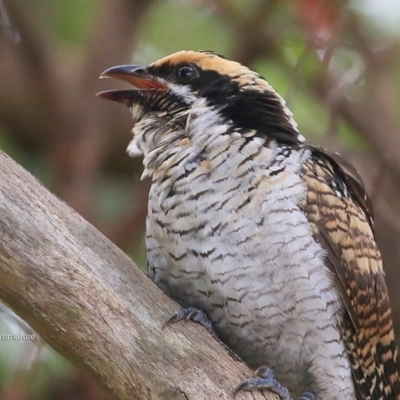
x: 186, y: 73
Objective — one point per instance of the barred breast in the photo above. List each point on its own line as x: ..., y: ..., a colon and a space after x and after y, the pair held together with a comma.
x: 225, y: 234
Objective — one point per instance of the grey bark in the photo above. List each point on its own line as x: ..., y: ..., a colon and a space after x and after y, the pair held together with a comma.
x: 89, y: 301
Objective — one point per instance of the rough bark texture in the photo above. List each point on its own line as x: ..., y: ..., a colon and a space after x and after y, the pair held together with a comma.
x: 88, y: 300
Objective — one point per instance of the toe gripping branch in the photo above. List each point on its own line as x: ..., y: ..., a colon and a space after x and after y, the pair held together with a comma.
x: 192, y: 314
x: 264, y: 378
x: 200, y: 317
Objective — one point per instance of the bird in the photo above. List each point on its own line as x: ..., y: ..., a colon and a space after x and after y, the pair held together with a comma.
x: 262, y: 238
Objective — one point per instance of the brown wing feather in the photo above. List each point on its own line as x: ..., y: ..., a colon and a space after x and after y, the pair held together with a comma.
x: 340, y: 216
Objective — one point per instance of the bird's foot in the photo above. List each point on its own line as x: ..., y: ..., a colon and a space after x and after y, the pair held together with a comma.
x: 264, y: 376
x: 192, y: 314
x: 309, y: 395
x: 264, y: 379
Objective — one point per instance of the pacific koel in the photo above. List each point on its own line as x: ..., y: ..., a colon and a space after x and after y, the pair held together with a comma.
x: 269, y: 238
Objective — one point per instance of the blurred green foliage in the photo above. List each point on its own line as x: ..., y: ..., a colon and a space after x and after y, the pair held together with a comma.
x: 170, y: 26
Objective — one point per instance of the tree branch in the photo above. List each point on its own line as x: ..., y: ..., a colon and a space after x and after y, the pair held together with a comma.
x: 88, y: 300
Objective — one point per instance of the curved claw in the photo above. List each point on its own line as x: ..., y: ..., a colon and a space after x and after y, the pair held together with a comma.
x: 264, y: 379
x: 194, y: 315
x: 177, y: 316
x: 308, y: 396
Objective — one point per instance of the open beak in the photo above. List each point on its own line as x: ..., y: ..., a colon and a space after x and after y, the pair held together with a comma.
x: 135, y: 75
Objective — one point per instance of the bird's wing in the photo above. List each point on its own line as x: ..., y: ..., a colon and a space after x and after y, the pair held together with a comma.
x: 340, y: 217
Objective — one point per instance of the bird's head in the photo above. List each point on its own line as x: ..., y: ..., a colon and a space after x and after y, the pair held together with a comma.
x: 181, y: 81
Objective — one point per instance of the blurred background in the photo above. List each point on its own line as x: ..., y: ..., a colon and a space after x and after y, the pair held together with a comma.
x: 337, y: 63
